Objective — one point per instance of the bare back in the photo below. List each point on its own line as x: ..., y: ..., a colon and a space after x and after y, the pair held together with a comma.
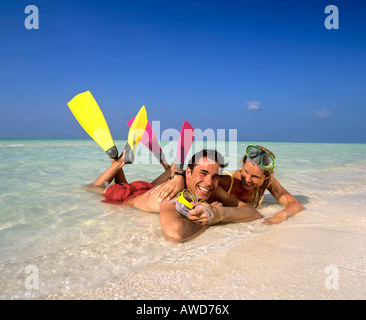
x: 149, y: 201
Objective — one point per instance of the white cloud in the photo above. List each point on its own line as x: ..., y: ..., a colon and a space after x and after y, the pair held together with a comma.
x: 253, y: 105
x: 321, y: 113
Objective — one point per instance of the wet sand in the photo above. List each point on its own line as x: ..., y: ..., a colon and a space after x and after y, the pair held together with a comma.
x: 317, y: 254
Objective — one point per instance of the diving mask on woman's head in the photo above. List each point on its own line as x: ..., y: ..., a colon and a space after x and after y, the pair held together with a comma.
x: 262, y: 157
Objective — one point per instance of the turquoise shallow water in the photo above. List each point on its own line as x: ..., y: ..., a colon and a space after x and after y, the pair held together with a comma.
x: 74, y: 241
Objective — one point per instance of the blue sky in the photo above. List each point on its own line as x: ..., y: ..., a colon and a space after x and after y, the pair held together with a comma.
x: 269, y: 69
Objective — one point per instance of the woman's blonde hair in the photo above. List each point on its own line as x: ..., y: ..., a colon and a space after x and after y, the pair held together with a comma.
x: 269, y: 173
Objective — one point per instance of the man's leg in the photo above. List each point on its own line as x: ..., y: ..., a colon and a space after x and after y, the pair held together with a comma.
x: 165, y: 176
x: 113, y: 172
x: 120, y: 176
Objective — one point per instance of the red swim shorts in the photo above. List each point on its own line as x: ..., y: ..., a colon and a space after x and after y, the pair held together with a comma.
x: 122, y: 192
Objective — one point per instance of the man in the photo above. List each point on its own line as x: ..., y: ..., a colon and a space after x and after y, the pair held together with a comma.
x: 202, y: 179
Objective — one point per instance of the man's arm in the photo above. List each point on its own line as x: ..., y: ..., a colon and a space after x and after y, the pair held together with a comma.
x: 242, y: 213
x: 232, y: 210
x: 177, y: 227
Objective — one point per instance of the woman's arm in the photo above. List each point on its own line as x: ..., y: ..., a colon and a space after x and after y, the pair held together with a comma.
x: 172, y: 188
x: 292, y: 206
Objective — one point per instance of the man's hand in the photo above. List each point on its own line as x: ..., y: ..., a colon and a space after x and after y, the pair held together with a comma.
x: 204, y: 213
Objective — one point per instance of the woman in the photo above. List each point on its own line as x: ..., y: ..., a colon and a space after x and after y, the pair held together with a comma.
x: 249, y: 183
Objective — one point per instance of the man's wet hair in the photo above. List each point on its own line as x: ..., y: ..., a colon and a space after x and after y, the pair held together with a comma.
x: 211, y: 155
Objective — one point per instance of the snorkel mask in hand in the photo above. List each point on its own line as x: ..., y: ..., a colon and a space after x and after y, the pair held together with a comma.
x: 183, y: 204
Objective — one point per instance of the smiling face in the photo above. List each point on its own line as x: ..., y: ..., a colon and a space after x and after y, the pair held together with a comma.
x: 203, y: 179
x: 252, y: 176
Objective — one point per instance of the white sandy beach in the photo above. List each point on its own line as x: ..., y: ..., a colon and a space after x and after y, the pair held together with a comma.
x: 318, y: 254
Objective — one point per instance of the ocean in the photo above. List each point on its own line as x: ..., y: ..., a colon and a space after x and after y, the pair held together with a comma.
x: 59, y: 241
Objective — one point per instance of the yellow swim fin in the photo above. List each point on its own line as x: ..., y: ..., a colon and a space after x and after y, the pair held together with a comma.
x: 137, y: 129
x: 87, y: 112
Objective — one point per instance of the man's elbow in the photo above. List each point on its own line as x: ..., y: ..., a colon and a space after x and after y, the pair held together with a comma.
x: 300, y: 207
x: 258, y: 215
x: 250, y: 212
x: 173, y: 236
x: 255, y: 215
x: 182, y: 230
x: 174, y: 233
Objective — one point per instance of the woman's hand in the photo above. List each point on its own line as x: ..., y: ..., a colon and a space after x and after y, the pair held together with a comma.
x: 170, y: 189
x: 276, y: 219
